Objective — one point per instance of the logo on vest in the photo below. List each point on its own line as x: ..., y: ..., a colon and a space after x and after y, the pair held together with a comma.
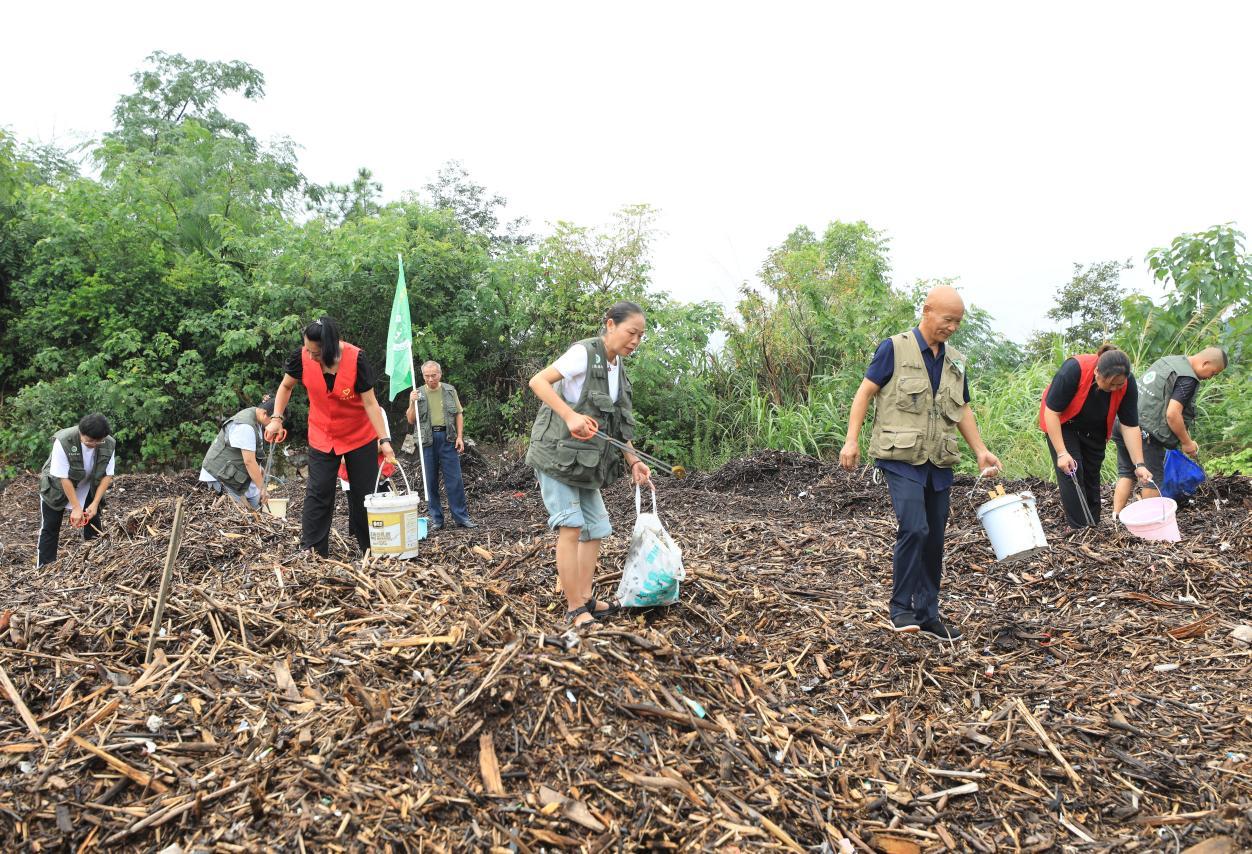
x: 1149, y: 378
x: 347, y: 393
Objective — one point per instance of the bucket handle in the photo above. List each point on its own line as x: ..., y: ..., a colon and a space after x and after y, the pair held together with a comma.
x: 1139, y: 487
x: 638, y: 502
x: 984, y: 473
x: 379, y: 479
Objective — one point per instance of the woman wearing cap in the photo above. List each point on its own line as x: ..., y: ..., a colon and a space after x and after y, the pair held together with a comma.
x: 572, y: 470
x: 345, y: 422
x: 1077, y: 412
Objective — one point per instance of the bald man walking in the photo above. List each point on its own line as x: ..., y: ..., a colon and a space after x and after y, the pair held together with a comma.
x: 923, y: 402
x: 1166, y: 412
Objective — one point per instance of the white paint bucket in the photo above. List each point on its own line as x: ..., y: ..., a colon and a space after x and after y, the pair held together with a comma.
x: 394, y: 523
x: 278, y: 507
x: 1012, y: 523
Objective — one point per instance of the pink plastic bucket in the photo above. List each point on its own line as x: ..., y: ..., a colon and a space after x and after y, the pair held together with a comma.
x: 1152, y: 519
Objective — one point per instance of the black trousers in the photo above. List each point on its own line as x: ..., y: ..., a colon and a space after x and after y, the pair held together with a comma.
x: 1087, y: 449
x: 319, y: 495
x: 917, y: 560
x: 50, y: 528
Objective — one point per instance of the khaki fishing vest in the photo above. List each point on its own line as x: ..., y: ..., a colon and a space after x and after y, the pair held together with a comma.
x: 225, y: 462
x: 912, y: 425
x: 50, y: 487
x: 450, y: 410
x: 1155, y: 387
x: 595, y: 463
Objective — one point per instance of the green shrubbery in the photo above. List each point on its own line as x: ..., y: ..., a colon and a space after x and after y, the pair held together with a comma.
x: 167, y: 288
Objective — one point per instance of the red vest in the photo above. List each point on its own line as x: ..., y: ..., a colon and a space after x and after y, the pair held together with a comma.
x: 1087, y: 362
x: 337, y: 419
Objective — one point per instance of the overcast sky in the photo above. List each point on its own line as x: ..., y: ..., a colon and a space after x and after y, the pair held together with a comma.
x: 997, y: 143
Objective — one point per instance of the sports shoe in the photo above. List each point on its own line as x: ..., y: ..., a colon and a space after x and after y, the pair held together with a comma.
x: 938, y: 628
x: 905, y: 624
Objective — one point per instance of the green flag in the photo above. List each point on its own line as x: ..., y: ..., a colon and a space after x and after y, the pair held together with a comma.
x: 400, y: 339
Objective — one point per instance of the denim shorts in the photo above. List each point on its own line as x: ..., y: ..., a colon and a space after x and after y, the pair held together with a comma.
x: 574, y: 507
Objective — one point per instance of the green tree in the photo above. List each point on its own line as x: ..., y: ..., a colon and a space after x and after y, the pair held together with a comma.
x: 1208, y: 300
x: 173, y: 91
x: 1089, y: 306
x: 342, y: 202
x: 824, y: 304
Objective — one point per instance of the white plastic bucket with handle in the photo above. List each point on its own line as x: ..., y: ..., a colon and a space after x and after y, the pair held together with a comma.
x: 1152, y: 519
x: 1012, y: 523
x: 278, y: 507
x: 395, y: 524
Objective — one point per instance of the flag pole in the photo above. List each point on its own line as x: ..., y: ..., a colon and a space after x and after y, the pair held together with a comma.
x: 417, y: 427
x: 417, y: 421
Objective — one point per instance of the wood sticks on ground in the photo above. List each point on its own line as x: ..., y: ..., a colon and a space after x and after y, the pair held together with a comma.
x: 297, y: 703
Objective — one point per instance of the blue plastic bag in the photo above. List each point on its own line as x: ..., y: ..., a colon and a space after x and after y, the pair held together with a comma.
x: 1182, y: 475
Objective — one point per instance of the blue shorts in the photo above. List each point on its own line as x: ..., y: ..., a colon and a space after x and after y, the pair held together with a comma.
x: 573, y: 507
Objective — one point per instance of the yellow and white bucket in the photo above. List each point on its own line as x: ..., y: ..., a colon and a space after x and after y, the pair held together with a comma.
x: 395, y: 524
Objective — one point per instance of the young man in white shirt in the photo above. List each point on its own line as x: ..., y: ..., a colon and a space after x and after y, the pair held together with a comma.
x: 76, y: 475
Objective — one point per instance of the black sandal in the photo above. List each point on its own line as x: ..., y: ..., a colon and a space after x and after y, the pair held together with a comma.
x: 599, y: 615
x: 573, y: 616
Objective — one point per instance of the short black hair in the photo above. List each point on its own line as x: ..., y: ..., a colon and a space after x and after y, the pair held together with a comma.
x: 94, y: 426
x: 267, y: 405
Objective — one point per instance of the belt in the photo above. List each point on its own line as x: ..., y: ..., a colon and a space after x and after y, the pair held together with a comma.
x: 439, y: 429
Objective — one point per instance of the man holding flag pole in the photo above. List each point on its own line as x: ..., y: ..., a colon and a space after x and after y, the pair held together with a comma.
x: 400, y: 356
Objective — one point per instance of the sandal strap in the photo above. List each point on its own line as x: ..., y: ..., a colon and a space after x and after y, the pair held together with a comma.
x: 574, y: 614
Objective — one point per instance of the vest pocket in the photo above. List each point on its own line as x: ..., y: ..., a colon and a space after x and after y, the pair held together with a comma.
x: 913, y: 392
x: 601, y: 401
x: 573, y: 456
x: 950, y: 451
x: 901, y: 445
x: 954, y: 403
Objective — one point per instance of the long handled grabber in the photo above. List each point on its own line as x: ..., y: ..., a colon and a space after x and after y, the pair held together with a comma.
x: 676, y: 471
x: 1082, y: 498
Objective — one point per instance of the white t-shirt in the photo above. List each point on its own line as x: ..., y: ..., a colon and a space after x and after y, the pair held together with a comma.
x: 243, y: 437
x: 572, y: 366
x: 61, y: 468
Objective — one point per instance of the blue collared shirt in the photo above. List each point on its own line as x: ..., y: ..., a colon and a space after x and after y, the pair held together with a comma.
x: 881, y: 369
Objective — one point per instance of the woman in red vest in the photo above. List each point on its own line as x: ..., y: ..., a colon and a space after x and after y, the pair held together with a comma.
x: 1088, y: 394
x: 345, y: 422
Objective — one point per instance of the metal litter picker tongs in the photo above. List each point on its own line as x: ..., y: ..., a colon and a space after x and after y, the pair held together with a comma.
x: 676, y: 471
x: 1082, y: 499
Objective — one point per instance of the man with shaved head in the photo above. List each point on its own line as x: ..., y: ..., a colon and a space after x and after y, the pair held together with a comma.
x: 1166, y: 412
x: 922, y: 404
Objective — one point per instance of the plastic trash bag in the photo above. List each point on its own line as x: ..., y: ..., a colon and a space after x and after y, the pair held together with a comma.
x: 654, y: 563
x: 1182, y: 475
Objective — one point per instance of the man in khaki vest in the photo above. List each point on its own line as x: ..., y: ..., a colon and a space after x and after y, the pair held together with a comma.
x: 1167, y: 394
x: 437, y: 407
x: 923, y: 403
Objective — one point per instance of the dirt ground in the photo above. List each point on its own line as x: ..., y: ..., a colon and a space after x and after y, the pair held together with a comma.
x: 1096, y: 701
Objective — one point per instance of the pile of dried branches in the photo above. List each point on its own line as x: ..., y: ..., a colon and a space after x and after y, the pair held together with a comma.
x: 296, y: 703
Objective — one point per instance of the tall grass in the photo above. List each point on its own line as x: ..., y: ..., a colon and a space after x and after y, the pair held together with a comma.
x: 1006, y: 406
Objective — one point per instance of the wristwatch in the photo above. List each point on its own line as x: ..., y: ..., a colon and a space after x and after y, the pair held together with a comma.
x: 1140, y: 466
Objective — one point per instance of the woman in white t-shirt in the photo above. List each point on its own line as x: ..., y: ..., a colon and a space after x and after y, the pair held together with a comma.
x: 571, y: 465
